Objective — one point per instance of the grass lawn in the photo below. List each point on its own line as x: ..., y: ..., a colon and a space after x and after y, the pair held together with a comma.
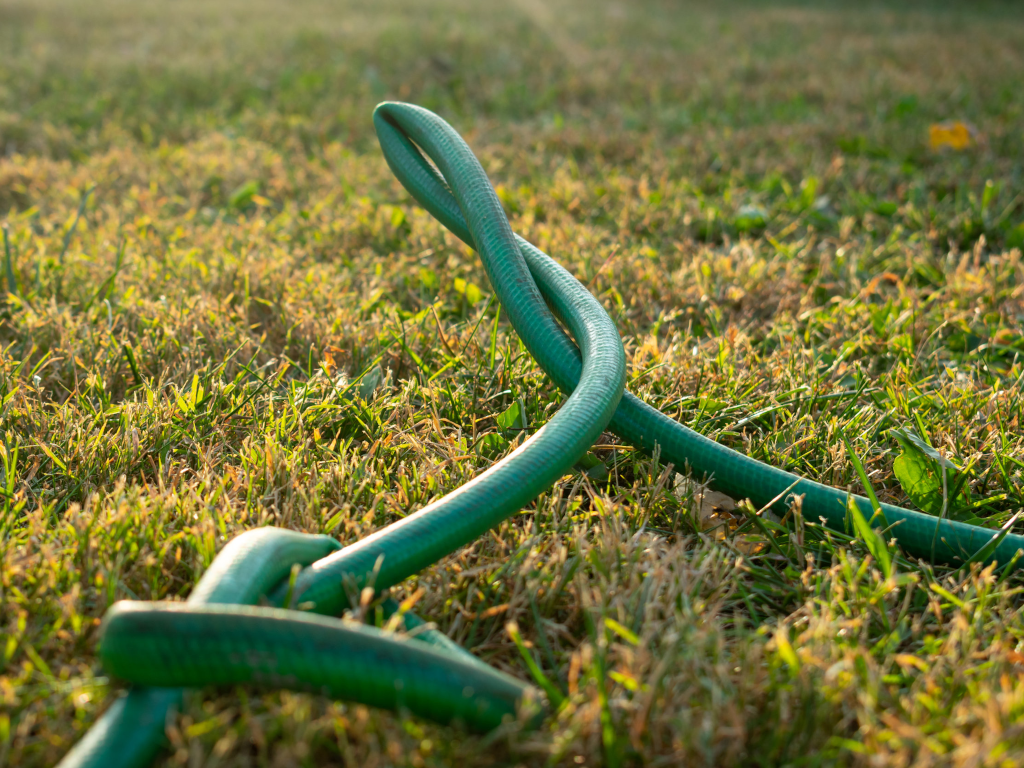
x: 204, y: 245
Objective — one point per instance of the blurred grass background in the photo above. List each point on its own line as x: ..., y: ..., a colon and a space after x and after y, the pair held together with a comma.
x: 203, y: 242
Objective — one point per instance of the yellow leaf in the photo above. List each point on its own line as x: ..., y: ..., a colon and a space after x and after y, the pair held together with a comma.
x: 953, y: 135
x: 626, y: 681
x: 908, y: 660
x: 626, y: 634
x: 328, y: 363
x: 786, y: 649
x: 53, y: 457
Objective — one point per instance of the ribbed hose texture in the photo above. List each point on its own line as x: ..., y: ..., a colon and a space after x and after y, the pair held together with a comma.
x: 207, y: 641
x: 183, y: 645
x: 422, y: 538
x: 131, y: 732
x: 921, y: 535
x: 195, y: 645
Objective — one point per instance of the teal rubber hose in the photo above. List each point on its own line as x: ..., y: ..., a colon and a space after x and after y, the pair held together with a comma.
x: 406, y: 547
x: 131, y: 732
x: 134, y: 643
x: 195, y: 645
x: 739, y: 476
x: 208, y: 641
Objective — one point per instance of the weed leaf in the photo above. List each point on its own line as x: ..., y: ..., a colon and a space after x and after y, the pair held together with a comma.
x: 511, y: 417
x: 919, y: 470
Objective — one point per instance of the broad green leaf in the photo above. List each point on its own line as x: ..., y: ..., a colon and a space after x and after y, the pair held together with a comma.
x: 710, y: 405
x: 592, y: 466
x: 243, y: 195
x: 919, y: 470
x: 808, y: 191
x: 471, y: 291
x: 920, y: 480
x: 370, y: 381
x: 511, y: 417
x: 909, y: 439
x: 428, y: 278
x: 786, y: 648
x: 750, y: 217
x: 491, y: 445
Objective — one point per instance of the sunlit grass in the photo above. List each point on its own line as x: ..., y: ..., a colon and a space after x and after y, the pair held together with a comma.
x: 223, y: 312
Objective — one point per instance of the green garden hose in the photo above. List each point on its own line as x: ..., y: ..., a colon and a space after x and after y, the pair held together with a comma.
x: 220, y: 638
x: 739, y: 476
x: 137, y: 647
x: 131, y: 731
x: 197, y: 645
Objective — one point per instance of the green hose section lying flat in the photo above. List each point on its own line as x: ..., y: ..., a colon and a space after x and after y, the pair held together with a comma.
x: 131, y: 731
x: 921, y: 535
x: 193, y: 645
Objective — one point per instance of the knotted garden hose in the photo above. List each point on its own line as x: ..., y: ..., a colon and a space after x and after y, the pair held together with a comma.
x: 219, y: 637
x: 281, y: 648
x: 921, y: 535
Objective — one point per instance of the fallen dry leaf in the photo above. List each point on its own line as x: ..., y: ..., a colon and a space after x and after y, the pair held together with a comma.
x: 956, y: 135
